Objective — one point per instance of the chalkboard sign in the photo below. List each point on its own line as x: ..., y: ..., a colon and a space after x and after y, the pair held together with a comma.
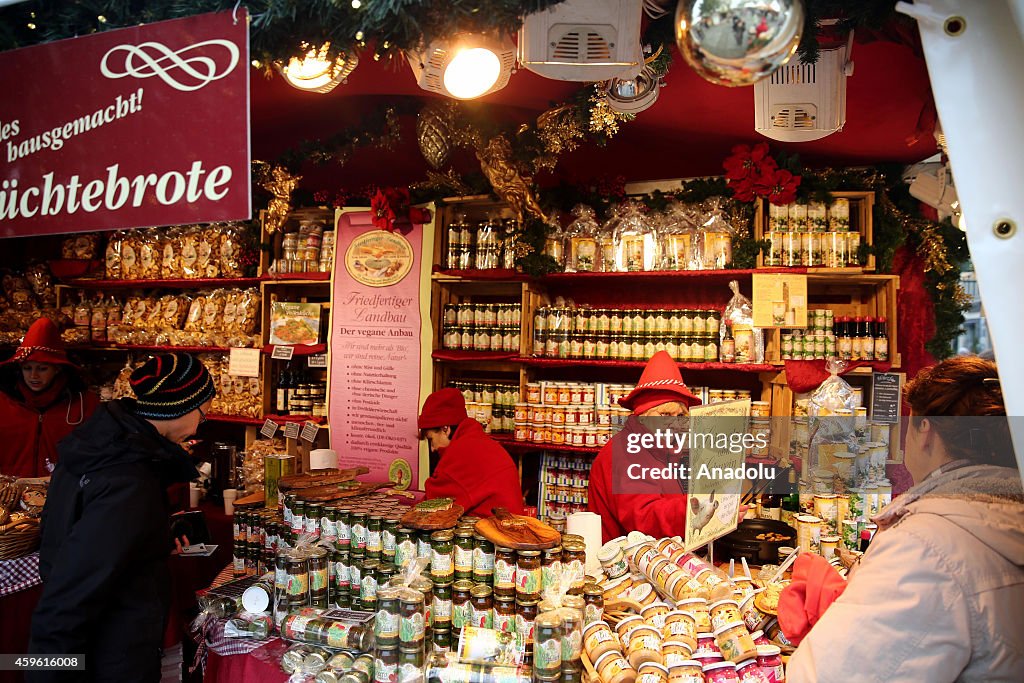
x: 886, y: 396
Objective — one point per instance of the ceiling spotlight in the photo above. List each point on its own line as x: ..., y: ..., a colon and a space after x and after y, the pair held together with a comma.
x: 317, y: 72
x: 633, y: 95
x: 467, y: 66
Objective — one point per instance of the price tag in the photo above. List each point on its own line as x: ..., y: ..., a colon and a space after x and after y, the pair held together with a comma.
x: 309, y: 431
x: 244, y: 362
x: 284, y: 352
x: 291, y: 430
x: 268, y: 429
x: 317, y: 360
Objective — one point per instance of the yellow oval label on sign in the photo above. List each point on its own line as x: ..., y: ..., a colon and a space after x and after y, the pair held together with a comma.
x: 379, y: 258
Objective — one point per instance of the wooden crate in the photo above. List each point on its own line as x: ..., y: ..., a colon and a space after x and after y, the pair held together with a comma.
x: 861, y: 212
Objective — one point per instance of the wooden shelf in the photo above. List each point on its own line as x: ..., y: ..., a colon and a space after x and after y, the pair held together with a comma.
x: 178, y: 283
x: 508, y: 442
x: 469, y: 356
x: 146, y: 347
x: 299, y: 349
x: 716, y: 275
x: 475, y: 275
x: 233, y: 419
x: 297, y: 278
x: 709, y: 367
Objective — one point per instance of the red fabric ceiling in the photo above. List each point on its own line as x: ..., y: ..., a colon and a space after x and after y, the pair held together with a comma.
x: 686, y: 133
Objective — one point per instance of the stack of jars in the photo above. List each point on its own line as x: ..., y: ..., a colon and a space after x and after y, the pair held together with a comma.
x: 564, y: 481
x: 568, y: 414
x: 309, y: 250
x: 493, y: 404
x: 481, y: 327
x: 481, y: 245
x: 816, y: 342
x: 688, y: 335
x: 812, y: 235
x: 258, y: 533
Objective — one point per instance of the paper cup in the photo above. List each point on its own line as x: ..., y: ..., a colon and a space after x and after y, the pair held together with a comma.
x: 230, y: 495
x: 194, y: 492
x: 323, y: 459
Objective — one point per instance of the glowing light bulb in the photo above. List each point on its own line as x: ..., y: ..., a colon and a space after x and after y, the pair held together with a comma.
x: 472, y: 72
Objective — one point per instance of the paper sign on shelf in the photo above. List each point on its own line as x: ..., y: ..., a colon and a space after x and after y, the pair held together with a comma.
x: 244, y: 362
x: 283, y: 352
x: 317, y: 360
x: 309, y: 431
x: 268, y: 429
x: 780, y: 300
x: 291, y: 430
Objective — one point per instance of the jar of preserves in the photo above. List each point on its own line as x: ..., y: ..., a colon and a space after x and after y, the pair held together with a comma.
x: 735, y: 642
x: 442, y: 638
x: 769, y: 659
x: 441, y: 612
x: 504, y: 614
x: 426, y: 589
x: 359, y: 534
x: 388, y: 539
x: 528, y: 575
x: 463, y: 553
x: 483, y: 559
x: 526, y: 612
x: 423, y: 547
x: 374, y: 527
x: 368, y: 585
x: 412, y: 619
x: 652, y: 672
x: 342, y: 524
x: 385, y: 665
x: 574, y: 558
x: 612, y: 667
x: 720, y: 672
x: 551, y: 567
x: 598, y: 639
x: 385, y: 624
x: 504, y: 572
x: 547, y: 648
x: 460, y: 603
x: 318, y: 578
x: 481, y: 604
x: 441, y: 547
x: 593, y: 600
x: 298, y: 580
x: 405, y: 546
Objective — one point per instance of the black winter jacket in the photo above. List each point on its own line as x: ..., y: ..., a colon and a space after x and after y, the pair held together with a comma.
x: 105, y: 543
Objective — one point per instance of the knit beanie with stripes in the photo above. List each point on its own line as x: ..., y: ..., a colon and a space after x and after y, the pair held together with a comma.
x: 170, y: 385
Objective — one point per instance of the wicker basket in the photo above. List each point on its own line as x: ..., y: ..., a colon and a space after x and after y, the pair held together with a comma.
x: 18, y: 538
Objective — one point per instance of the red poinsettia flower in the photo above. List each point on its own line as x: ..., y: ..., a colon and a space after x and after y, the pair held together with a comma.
x: 780, y: 187
x: 746, y: 161
x: 743, y: 190
x: 418, y: 216
x: 381, y: 211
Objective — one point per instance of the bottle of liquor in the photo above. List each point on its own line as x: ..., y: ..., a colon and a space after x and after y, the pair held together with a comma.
x: 728, y: 350
x: 855, y: 338
x: 297, y: 377
x: 843, y: 341
x: 881, y: 340
x: 283, y: 386
x: 867, y: 341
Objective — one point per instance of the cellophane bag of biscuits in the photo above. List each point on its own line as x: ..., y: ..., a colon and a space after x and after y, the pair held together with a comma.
x: 113, y: 256
x: 189, y: 241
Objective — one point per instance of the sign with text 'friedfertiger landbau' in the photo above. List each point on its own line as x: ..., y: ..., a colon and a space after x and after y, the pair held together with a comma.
x: 135, y: 127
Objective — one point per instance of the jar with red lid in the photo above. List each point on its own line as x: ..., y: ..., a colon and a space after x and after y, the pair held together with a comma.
x: 749, y: 672
x: 721, y: 672
x: 769, y: 658
x: 706, y: 645
x: 760, y: 638
x: 707, y: 658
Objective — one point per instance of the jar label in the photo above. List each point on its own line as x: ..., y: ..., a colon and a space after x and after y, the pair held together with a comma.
x: 385, y: 624
x: 410, y: 673
x: 328, y: 530
x: 483, y: 561
x: 355, y: 576
x: 423, y: 548
x: 368, y: 587
x: 311, y: 527
x: 384, y: 673
x: 551, y: 574
x: 387, y: 541
x: 337, y: 634
x: 341, y: 575
x: 344, y: 533
x: 359, y: 535
x: 373, y: 541
x: 411, y: 628
x: 528, y: 581
x: 505, y: 623
x: 318, y: 580
x: 404, y: 551
x: 572, y: 645
x: 298, y: 584
x: 440, y: 563
x: 504, y: 574
x: 525, y: 627
x: 547, y: 655
x: 482, y: 618
x: 460, y: 615
x: 442, y: 609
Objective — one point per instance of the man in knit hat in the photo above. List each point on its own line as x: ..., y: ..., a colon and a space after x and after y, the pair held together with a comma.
x: 652, y: 506
x: 105, y: 531
x: 474, y: 469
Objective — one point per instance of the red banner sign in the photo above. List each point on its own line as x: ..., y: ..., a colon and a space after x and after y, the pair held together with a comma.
x: 135, y: 127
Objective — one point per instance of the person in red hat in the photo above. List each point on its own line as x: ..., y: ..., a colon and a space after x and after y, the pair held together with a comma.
x: 654, y: 507
x: 42, y: 400
x: 474, y: 469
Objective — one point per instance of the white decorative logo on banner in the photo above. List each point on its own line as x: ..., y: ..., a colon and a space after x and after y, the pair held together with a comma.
x: 156, y: 59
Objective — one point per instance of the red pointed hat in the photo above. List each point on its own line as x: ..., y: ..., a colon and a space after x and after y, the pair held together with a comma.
x: 660, y: 383
x: 443, y: 407
x: 42, y: 344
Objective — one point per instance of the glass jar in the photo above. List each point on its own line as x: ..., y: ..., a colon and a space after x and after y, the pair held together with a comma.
x: 481, y: 604
x: 528, y: 575
x: 460, y: 603
x: 504, y: 572
x: 526, y: 613
x: 551, y: 567
x: 405, y: 546
x: 593, y: 600
x: 441, y: 613
x: 483, y: 559
x: 388, y: 539
x: 385, y: 625
x: 374, y: 526
x: 441, y: 547
x: 505, y: 614
x: 463, y: 554
x: 547, y: 649
x: 343, y: 524
x: 574, y: 558
x: 423, y: 547
x: 385, y: 665
x: 412, y: 619
x: 359, y: 534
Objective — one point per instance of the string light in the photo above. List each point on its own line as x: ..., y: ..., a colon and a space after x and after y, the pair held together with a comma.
x: 102, y: 19
x: 256, y: 63
x: 359, y: 35
x: 32, y: 26
x: 356, y: 4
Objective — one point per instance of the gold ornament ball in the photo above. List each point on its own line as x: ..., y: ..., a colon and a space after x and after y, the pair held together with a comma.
x: 434, y: 133
x: 738, y: 42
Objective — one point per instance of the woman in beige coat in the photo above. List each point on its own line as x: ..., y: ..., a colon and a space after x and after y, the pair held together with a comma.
x: 939, y: 595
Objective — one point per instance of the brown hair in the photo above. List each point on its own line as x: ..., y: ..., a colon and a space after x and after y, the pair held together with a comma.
x: 964, y: 387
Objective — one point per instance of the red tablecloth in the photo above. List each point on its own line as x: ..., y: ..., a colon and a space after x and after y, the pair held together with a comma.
x: 262, y: 665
